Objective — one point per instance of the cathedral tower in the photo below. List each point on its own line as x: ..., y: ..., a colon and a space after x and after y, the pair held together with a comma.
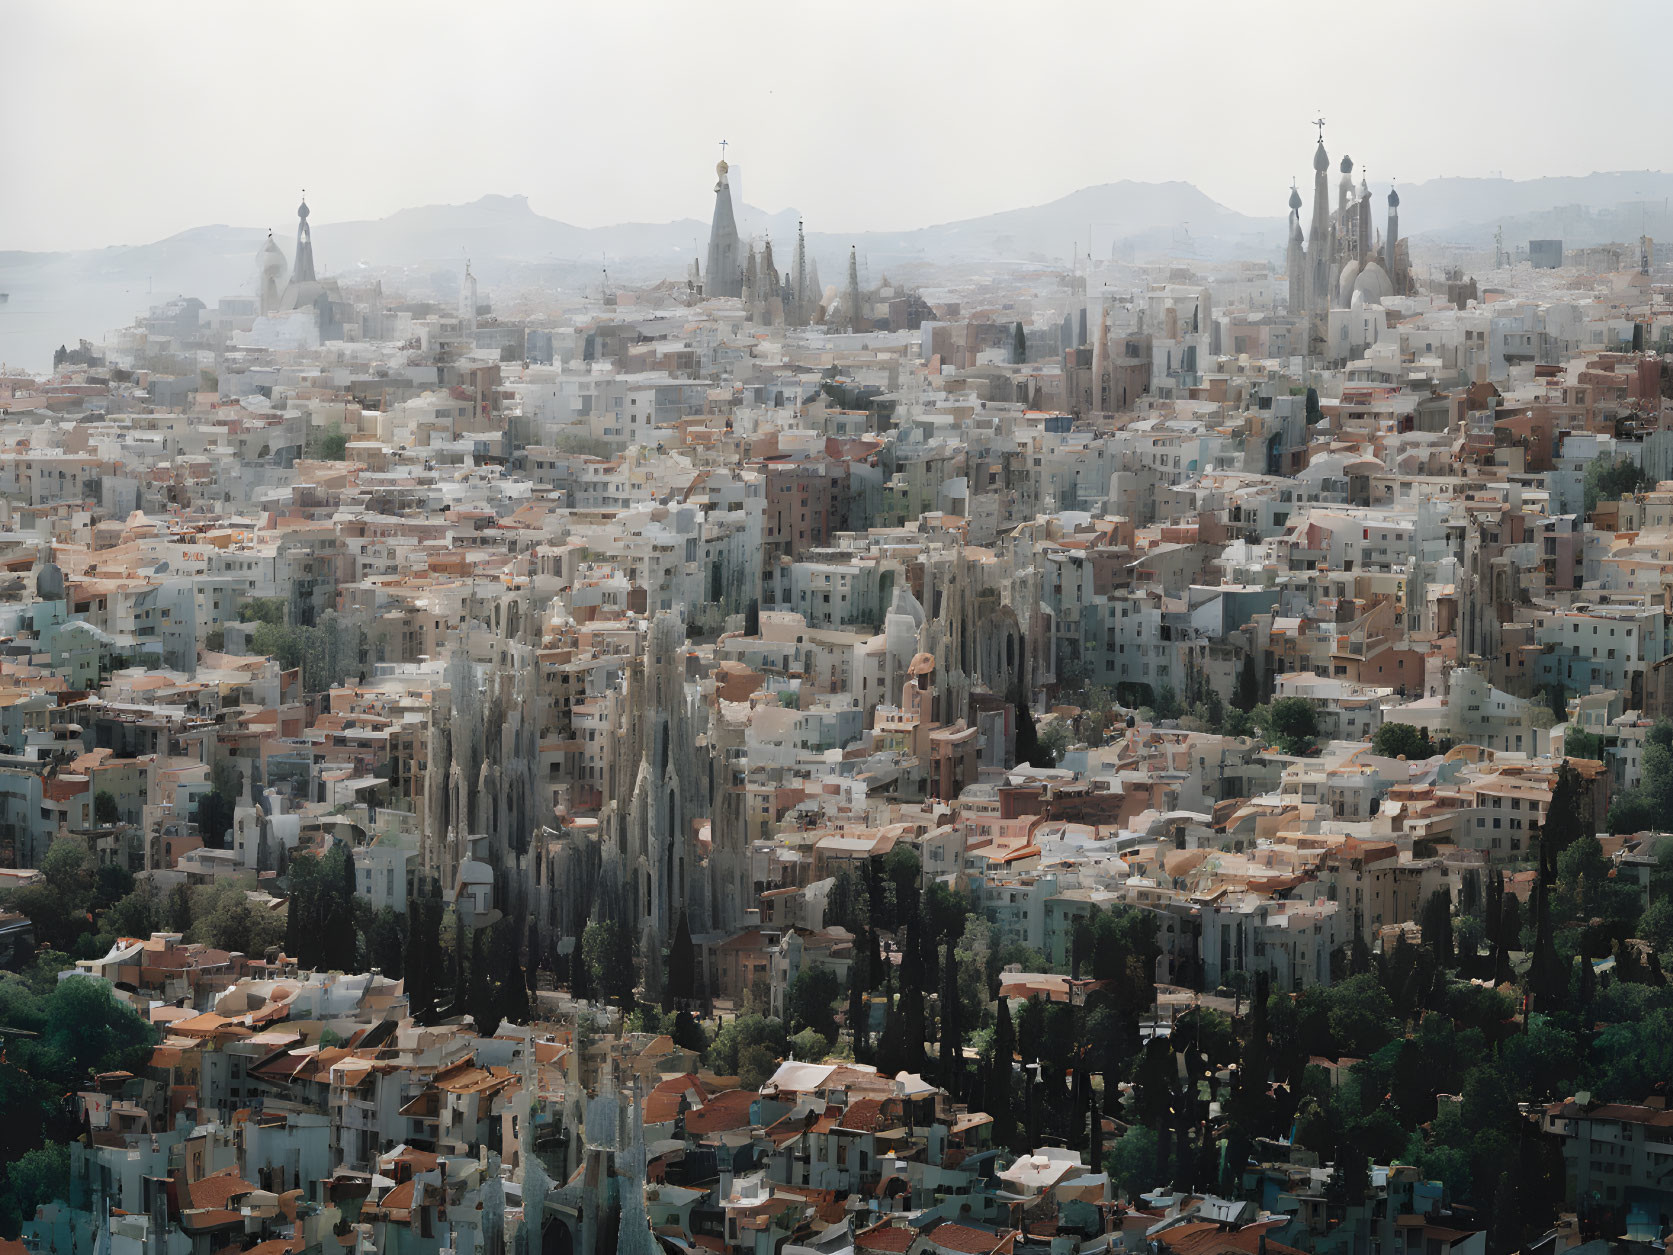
x: 724, y: 268
x: 855, y: 321
x: 1392, y: 240
x: 303, y: 271
x: 1295, y: 262
x: 1319, y: 250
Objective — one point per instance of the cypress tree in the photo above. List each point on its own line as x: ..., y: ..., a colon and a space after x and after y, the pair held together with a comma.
x: 680, y: 986
x: 476, y: 995
x: 999, y: 1088
x: 952, y: 1031
x: 346, y: 939
x: 857, y: 1027
x: 424, y: 957
x: 505, y: 974
x: 1248, y: 694
x: 1493, y: 908
x: 1019, y: 345
x: 1094, y: 1132
x: 1437, y: 926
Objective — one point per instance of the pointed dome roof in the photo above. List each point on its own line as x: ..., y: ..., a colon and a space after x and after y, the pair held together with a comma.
x: 1393, y: 199
x: 1321, y: 159
x: 1346, y: 279
x: 271, y: 259
x: 1373, y: 284
x: 1295, y: 197
x: 1347, y: 166
x: 903, y: 602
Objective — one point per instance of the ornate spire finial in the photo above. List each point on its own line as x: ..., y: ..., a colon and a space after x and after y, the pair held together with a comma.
x: 1319, y: 122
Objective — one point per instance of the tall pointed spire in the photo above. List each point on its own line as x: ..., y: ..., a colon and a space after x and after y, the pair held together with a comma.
x: 1391, y: 242
x: 855, y: 322
x: 633, y: 1234
x: 1295, y: 261
x: 1319, y: 250
x: 303, y: 270
x: 799, y: 316
x: 766, y: 284
x: 725, y: 273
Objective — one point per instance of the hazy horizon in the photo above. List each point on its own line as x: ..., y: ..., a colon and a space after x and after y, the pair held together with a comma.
x: 894, y: 102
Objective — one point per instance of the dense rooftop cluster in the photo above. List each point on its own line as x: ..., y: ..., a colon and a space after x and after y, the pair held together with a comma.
x: 1016, y: 763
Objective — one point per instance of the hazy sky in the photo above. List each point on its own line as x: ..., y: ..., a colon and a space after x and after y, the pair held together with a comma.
x: 123, y: 122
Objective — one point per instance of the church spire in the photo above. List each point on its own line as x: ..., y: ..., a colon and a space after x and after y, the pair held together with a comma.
x: 303, y: 270
x: 853, y: 298
x: 799, y: 291
x: 725, y: 275
x: 1320, y: 252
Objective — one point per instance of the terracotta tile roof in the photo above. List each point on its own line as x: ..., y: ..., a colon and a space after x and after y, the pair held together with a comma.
x: 887, y: 1237
x: 1207, y: 1238
x: 398, y: 1199
x: 722, y: 1112
x: 662, y: 1104
x: 867, y: 1115
x: 217, y: 1189
x: 968, y: 1240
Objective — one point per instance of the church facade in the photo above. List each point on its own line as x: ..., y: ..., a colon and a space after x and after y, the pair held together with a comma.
x: 1340, y: 261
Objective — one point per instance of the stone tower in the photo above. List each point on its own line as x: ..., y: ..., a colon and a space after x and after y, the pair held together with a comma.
x: 725, y: 264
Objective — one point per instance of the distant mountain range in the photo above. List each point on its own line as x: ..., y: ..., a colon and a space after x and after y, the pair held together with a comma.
x: 56, y: 297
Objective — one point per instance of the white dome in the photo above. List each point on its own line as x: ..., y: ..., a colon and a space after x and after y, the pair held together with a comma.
x: 1345, y: 281
x: 1373, y: 284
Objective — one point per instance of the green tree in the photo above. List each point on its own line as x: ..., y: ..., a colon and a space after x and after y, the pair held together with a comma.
x: 809, y: 1046
x: 1000, y: 1084
x: 269, y: 610
x: 1056, y: 741
x: 179, y: 913
x: 748, y: 1047
x: 1656, y: 925
x: 1361, y: 1016
x: 1027, y: 749
x: 1131, y: 1162
x: 501, y: 992
x: 1289, y: 723
x: 607, y: 951
x: 105, y: 810
x: 688, y: 1033
x: 1019, y: 344
x: 952, y: 1023
x: 137, y: 915
x: 59, y: 905
x: 1610, y: 481
x: 89, y: 1031
x: 214, y: 819
x: 857, y: 1013
x: 679, y: 985
x: 37, y: 1176
x: 1436, y: 921
x: 386, y: 942
x: 809, y: 1002
x: 1402, y: 740
x: 1248, y: 694
x: 424, y: 962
